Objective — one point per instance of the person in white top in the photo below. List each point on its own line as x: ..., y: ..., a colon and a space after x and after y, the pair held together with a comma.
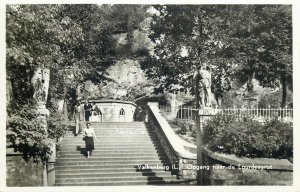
x: 89, y: 136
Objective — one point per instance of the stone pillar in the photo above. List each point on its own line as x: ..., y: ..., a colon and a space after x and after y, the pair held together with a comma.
x: 199, y: 142
x: 40, y: 83
x: 203, y: 115
x: 173, y: 106
x: 51, y: 165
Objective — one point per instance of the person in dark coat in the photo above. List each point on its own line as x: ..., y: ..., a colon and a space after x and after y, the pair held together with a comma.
x: 87, y: 110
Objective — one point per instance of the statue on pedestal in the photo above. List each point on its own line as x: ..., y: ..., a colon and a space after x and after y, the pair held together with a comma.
x: 202, y: 78
x: 40, y: 83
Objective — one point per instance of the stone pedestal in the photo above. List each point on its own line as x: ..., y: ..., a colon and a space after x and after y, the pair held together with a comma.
x: 207, y: 111
x: 51, y: 166
x: 42, y: 114
x: 203, y: 115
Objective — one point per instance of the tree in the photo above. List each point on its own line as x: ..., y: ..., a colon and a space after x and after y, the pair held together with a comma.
x: 74, y: 42
x: 36, y: 36
x: 238, y: 39
x: 267, y: 42
x: 184, y: 36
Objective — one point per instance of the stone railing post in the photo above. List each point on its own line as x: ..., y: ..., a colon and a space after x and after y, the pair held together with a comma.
x: 199, y: 142
x: 40, y: 83
x: 203, y: 115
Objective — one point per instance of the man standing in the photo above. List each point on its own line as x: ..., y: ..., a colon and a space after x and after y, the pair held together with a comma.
x: 77, y: 118
x: 87, y: 110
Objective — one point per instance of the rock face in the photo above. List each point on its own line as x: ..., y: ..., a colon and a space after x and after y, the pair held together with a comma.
x: 140, y: 42
x: 128, y: 81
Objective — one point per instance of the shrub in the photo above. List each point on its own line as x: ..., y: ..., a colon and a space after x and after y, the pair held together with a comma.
x: 25, y: 133
x: 184, y: 126
x: 249, y: 138
x: 274, y: 99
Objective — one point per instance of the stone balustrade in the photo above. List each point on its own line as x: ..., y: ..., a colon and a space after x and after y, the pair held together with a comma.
x: 175, y: 147
x: 217, y: 168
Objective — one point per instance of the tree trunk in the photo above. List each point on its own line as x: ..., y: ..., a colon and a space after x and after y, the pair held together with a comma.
x: 284, y: 90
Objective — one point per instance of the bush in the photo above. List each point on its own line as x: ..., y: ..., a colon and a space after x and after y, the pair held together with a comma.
x: 249, y: 138
x: 274, y: 99
x: 184, y: 126
x: 24, y: 132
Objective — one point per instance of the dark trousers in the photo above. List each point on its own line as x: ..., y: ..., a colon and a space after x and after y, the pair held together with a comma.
x: 87, y: 115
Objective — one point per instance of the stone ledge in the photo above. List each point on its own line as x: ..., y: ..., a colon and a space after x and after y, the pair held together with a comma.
x: 108, y: 101
x: 175, y: 141
x: 277, y: 164
x: 11, y: 151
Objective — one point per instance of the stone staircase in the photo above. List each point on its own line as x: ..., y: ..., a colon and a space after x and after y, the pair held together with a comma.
x: 121, y: 153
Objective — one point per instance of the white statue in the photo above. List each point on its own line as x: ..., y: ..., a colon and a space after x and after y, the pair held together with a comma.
x: 202, y: 79
x: 40, y: 82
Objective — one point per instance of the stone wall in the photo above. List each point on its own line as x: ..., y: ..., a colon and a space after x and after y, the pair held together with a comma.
x: 112, y: 111
x: 173, y: 146
x: 226, y: 172
x: 20, y: 173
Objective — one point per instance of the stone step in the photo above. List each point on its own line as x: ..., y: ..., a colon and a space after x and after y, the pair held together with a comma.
x: 117, y: 136
x: 113, y: 153
x: 110, y: 147
x: 158, y: 182
x: 110, y: 157
x: 111, y: 167
x: 139, y: 123
x: 113, y: 174
x: 108, y: 128
x: 128, y: 138
x: 111, y: 144
x: 115, y: 178
x: 120, y: 131
x: 90, y: 161
x: 116, y: 169
x: 97, y: 158
x: 120, y: 152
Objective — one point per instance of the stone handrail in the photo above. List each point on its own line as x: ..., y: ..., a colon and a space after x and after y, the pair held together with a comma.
x: 176, y: 143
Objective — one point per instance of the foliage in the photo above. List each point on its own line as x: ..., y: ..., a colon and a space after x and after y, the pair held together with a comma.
x: 26, y: 133
x: 127, y: 19
x: 184, y: 126
x: 240, y: 40
x: 249, y: 138
x: 232, y: 99
x: 75, y: 43
x: 273, y: 99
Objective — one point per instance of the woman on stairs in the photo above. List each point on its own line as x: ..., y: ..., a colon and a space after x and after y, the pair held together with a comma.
x: 89, y: 136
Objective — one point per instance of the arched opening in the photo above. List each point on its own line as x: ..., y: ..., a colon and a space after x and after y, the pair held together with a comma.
x: 122, y: 115
x: 122, y: 112
x: 96, y: 116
